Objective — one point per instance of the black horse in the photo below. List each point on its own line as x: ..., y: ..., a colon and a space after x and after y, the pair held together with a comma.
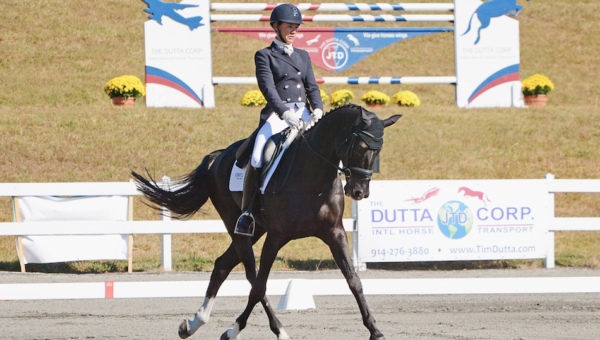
x: 304, y: 198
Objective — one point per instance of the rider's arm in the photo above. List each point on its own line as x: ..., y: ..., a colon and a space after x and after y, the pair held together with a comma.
x: 266, y: 84
x: 313, y: 93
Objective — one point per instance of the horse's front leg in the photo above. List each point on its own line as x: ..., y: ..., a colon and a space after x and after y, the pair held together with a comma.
x: 337, y: 241
x: 259, y: 288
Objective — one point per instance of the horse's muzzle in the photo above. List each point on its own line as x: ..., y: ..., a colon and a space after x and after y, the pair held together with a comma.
x: 357, y: 191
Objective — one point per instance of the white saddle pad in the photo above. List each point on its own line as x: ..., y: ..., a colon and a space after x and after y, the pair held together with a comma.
x: 236, y: 180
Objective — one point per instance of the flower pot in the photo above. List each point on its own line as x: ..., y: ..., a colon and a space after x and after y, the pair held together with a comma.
x: 537, y: 101
x: 373, y: 105
x: 120, y: 101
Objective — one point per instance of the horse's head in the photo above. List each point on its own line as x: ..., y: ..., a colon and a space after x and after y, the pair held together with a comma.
x: 358, y: 152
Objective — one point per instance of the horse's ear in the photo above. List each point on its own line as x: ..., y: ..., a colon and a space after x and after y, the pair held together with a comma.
x: 391, y: 120
x: 365, y: 121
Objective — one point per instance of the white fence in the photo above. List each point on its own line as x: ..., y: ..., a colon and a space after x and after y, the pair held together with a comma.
x: 166, y: 227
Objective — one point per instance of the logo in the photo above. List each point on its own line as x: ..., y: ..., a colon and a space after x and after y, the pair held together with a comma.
x: 312, y: 41
x: 158, y: 9
x: 493, y: 9
x: 334, y: 55
x: 353, y: 39
x: 427, y: 195
x: 455, y: 220
x: 477, y: 194
x: 295, y: 11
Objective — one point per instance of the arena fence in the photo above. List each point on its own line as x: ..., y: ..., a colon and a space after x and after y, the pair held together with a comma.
x: 166, y: 227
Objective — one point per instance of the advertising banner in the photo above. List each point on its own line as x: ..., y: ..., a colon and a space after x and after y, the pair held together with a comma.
x: 336, y: 49
x: 405, y: 221
x: 178, y: 54
x: 487, y: 53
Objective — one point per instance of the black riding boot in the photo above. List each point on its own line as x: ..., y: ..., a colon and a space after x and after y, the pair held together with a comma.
x: 245, y: 223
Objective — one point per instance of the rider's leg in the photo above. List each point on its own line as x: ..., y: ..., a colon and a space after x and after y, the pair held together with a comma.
x: 245, y: 223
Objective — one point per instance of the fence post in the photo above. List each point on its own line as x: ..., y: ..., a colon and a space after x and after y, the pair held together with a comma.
x: 550, y: 237
x: 358, y: 266
x: 165, y: 244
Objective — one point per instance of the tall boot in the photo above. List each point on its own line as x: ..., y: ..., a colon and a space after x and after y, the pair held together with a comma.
x: 245, y: 223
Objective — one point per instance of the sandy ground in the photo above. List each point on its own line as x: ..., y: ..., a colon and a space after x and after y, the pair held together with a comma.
x: 522, y: 316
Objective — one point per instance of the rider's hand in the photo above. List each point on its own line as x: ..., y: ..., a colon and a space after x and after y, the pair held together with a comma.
x: 318, y: 113
x: 292, y: 118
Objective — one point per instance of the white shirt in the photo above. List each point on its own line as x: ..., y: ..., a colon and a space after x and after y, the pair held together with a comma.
x: 288, y: 49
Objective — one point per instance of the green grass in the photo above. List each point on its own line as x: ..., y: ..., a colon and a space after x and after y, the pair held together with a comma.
x: 57, y: 125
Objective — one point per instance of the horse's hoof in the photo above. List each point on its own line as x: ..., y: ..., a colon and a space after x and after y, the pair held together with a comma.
x: 183, y: 330
x: 224, y: 336
x: 374, y: 338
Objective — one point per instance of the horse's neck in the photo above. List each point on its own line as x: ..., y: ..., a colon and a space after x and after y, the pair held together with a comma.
x: 328, y: 133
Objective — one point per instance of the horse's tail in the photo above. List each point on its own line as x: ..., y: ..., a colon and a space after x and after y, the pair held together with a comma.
x: 189, y: 192
x: 470, y: 21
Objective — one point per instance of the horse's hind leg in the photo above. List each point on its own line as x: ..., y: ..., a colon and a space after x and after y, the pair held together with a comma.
x: 223, y: 266
x: 337, y: 241
x: 259, y: 287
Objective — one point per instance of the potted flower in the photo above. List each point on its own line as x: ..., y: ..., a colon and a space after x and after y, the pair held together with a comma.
x: 340, y: 97
x: 324, y: 96
x: 406, y: 98
x: 375, y: 98
x: 124, y: 90
x: 535, y: 90
x: 253, y: 98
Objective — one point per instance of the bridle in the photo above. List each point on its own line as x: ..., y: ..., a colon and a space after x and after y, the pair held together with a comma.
x: 363, y: 174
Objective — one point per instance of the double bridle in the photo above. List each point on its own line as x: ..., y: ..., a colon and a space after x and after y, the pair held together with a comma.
x: 365, y: 174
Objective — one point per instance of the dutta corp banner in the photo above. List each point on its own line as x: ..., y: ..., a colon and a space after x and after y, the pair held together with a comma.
x: 405, y: 221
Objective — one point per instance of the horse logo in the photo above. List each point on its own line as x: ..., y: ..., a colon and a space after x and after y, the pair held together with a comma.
x: 157, y: 9
x: 493, y: 9
x: 353, y: 39
x: 478, y: 194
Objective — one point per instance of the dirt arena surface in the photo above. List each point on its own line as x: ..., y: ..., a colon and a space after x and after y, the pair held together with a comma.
x: 509, y: 316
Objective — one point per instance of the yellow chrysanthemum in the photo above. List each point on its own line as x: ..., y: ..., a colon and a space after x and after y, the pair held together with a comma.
x: 375, y: 97
x: 536, y: 85
x: 340, y: 97
x: 125, y: 86
x: 406, y: 98
x: 324, y: 96
x: 253, y: 98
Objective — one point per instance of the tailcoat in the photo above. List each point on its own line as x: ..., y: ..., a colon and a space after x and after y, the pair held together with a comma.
x: 285, y: 79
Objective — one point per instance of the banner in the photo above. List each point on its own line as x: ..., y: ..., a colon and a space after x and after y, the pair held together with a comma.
x: 405, y: 221
x: 178, y: 54
x: 487, y: 54
x: 336, y: 49
x: 51, y: 249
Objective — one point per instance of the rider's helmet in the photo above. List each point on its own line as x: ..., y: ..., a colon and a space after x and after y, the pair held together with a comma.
x: 286, y: 13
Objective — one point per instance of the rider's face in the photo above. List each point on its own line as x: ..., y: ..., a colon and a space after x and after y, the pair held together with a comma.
x: 288, y: 31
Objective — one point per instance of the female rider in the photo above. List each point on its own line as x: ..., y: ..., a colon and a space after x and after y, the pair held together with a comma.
x: 285, y: 77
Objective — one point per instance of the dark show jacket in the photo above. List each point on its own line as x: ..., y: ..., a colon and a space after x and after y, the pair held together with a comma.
x: 285, y: 79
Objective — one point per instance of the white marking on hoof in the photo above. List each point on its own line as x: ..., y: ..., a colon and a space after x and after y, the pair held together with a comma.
x: 282, y: 335
x: 234, y: 333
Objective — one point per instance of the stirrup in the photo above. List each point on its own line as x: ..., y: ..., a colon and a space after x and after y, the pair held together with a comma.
x: 245, y: 224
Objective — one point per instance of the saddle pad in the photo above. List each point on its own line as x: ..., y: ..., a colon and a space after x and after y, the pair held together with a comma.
x: 236, y: 179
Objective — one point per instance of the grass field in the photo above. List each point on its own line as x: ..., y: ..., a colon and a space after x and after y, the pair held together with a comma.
x: 57, y: 125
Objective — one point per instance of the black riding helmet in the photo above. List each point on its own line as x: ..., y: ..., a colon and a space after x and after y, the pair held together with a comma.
x: 285, y: 13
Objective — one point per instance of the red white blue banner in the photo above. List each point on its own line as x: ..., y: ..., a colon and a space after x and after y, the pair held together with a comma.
x: 336, y: 49
x: 404, y: 221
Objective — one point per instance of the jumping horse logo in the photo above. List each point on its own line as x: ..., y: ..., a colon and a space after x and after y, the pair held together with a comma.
x: 158, y: 8
x: 493, y: 9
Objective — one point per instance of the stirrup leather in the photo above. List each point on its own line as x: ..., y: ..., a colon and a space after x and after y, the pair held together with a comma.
x: 245, y: 224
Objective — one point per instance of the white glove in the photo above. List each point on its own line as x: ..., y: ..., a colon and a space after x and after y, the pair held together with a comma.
x: 292, y: 118
x: 318, y: 113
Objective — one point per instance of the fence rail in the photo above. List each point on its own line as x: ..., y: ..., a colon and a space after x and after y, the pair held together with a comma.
x: 166, y: 227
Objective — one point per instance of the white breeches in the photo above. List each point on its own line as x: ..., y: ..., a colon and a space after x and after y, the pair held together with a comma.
x: 273, y: 125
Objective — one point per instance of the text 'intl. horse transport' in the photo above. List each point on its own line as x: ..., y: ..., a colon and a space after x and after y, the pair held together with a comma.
x: 309, y: 201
